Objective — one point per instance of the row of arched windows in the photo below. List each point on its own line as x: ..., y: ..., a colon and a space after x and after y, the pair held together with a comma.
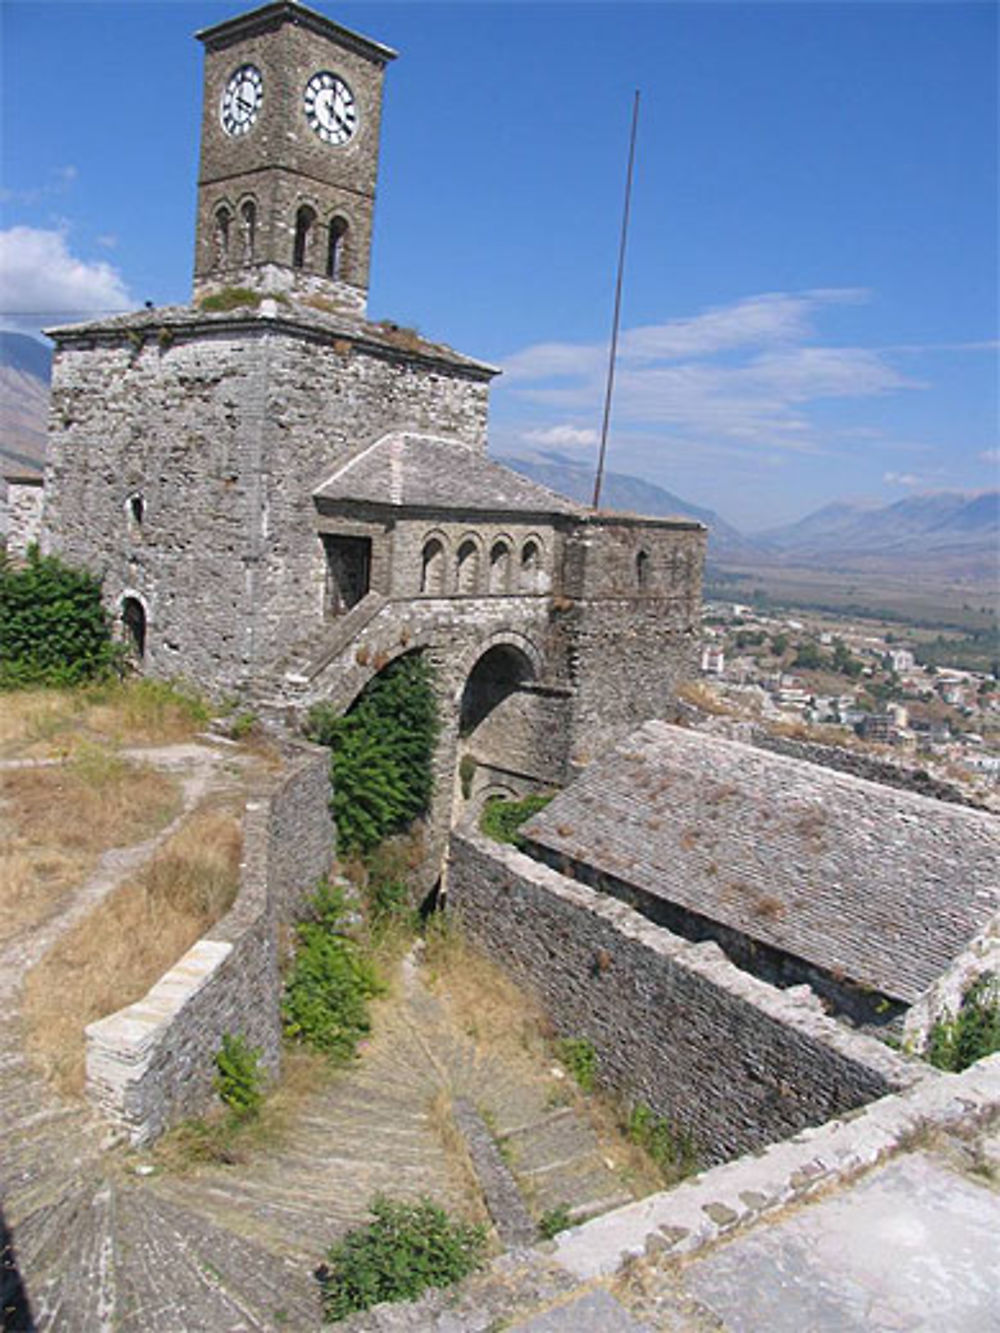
x: 318, y: 248
x: 473, y: 571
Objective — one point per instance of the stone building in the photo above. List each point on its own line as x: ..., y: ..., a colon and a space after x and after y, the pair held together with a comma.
x: 800, y: 874
x: 282, y: 496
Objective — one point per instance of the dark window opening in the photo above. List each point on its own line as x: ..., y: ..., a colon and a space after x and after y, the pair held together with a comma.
x: 136, y: 509
x: 305, y: 220
x: 248, y: 226
x: 134, y: 624
x: 348, y: 565
x: 336, y: 248
x: 642, y: 569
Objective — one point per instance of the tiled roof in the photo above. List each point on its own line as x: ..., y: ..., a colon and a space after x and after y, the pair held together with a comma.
x: 423, y: 471
x: 882, y: 886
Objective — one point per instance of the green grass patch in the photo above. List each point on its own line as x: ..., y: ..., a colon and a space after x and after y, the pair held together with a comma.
x: 672, y: 1149
x: 580, y: 1058
x: 502, y: 818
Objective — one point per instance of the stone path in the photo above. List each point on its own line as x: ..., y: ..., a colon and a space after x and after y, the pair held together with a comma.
x: 100, y: 1246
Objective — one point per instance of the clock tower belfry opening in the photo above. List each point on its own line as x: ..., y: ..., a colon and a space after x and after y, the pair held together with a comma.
x: 289, y: 156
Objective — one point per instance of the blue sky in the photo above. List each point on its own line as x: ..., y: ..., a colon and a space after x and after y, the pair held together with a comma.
x: 811, y: 292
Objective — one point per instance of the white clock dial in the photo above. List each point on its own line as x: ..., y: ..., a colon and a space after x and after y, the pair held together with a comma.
x: 330, y: 107
x: 241, y: 100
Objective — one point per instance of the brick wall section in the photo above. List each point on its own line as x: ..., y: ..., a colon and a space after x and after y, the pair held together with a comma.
x: 675, y: 1025
x: 152, y: 1064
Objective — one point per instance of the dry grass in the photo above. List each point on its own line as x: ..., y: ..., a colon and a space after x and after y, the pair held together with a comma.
x: 56, y: 723
x: 703, y: 697
x: 56, y: 822
x: 114, y: 955
x: 494, y: 1010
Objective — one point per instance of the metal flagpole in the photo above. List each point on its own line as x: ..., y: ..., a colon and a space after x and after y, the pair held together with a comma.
x: 599, y: 478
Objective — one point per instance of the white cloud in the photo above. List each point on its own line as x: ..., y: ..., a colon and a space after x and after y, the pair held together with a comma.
x: 990, y: 456
x: 561, y: 436
x: 43, y: 283
x: 741, y: 372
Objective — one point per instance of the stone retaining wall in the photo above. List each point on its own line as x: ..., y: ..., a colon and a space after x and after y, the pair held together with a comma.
x: 736, y: 1062
x: 152, y: 1063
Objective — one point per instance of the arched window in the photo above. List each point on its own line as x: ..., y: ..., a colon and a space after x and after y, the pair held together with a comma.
x: 248, y: 229
x: 499, y: 567
x: 223, y: 226
x: 134, y: 625
x: 467, y: 567
x: 305, y: 222
x: 432, y: 568
x: 336, y: 248
x: 531, y: 558
x: 642, y: 569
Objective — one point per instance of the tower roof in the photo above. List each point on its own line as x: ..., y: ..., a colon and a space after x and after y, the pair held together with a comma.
x: 269, y: 17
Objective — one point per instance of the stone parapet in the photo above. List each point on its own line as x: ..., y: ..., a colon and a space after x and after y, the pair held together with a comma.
x: 152, y: 1063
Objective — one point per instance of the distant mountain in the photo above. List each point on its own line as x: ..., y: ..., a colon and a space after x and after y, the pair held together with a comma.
x: 917, y: 525
x: 632, y: 495
x: 25, y: 368
x: 940, y: 535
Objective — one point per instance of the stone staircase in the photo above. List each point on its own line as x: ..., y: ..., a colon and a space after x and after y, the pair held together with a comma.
x: 100, y: 1245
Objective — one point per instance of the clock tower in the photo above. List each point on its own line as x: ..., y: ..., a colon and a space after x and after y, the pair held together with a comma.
x: 289, y: 156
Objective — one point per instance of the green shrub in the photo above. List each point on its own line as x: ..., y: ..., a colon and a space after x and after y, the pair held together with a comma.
x: 502, y: 818
x: 54, y: 629
x: 672, y: 1149
x: 382, y: 751
x: 974, y: 1032
x: 553, y: 1221
x: 325, y: 1005
x: 239, y: 1078
x: 408, y: 1248
x: 580, y: 1058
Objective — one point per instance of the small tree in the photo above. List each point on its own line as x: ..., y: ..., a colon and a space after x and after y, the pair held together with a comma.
x: 54, y: 629
x: 382, y: 751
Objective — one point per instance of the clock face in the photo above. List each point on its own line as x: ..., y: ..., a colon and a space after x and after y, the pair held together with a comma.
x: 330, y: 107
x: 241, y: 100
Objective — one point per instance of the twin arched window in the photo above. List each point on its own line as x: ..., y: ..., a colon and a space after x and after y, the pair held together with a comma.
x: 223, y: 236
x: 303, y: 248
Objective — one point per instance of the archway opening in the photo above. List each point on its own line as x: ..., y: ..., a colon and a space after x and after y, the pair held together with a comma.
x: 499, y: 673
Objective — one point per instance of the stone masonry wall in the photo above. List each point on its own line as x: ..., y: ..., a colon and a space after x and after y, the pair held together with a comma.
x: 632, y: 631
x: 675, y: 1025
x: 152, y: 1063
x: 223, y: 427
x: 20, y: 513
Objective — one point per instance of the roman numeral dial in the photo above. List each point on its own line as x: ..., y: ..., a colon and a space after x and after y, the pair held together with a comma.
x: 241, y: 100
x: 330, y: 108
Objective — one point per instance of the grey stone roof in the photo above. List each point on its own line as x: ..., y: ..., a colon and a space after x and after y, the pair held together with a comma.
x: 284, y: 314
x: 424, y: 471
x: 882, y: 886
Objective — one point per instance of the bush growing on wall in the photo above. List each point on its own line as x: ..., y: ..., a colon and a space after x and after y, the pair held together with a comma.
x: 974, y: 1032
x: 382, y: 752
x: 54, y: 629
